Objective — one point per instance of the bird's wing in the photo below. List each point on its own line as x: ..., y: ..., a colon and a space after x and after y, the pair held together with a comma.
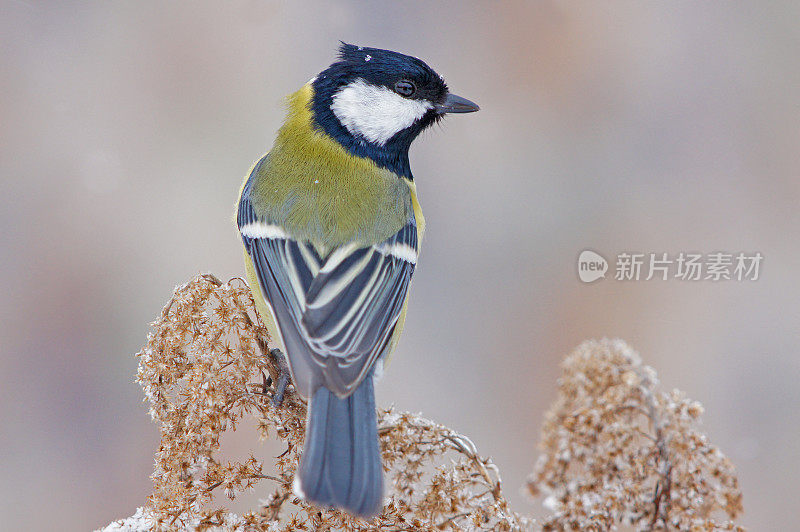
x: 343, y: 306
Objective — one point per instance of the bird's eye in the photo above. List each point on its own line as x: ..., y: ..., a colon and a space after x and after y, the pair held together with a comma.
x: 405, y: 88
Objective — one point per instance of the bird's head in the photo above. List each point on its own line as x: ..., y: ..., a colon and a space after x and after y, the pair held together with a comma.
x: 376, y: 102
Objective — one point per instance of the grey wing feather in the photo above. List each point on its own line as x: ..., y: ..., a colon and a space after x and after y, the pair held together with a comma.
x: 341, y: 309
x: 352, y: 308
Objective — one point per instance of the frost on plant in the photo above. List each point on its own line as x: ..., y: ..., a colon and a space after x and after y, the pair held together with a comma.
x: 616, y: 451
x: 206, y: 365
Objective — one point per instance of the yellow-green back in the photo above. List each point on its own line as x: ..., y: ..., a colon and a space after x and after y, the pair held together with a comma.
x: 320, y: 192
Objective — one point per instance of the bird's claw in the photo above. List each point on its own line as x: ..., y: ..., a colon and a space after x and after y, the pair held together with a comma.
x: 281, y: 380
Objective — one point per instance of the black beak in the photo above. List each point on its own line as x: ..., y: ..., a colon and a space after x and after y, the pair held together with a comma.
x: 456, y: 104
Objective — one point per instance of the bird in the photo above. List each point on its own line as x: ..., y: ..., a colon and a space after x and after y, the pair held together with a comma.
x: 331, y: 227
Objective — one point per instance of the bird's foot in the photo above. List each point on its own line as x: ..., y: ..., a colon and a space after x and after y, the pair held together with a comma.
x: 282, y: 377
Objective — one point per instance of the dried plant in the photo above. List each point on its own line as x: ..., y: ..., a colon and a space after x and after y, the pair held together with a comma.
x: 616, y: 451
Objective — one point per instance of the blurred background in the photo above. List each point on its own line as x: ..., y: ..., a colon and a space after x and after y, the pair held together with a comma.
x: 126, y: 128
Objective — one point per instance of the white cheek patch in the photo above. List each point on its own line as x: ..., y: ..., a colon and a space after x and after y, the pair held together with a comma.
x: 375, y: 113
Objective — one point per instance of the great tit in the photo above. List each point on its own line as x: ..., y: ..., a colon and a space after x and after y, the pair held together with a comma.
x: 331, y: 229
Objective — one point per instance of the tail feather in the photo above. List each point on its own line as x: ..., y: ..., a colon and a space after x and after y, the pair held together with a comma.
x: 341, y: 461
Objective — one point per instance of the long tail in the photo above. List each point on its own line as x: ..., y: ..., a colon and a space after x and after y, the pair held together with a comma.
x: 341, y: 461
